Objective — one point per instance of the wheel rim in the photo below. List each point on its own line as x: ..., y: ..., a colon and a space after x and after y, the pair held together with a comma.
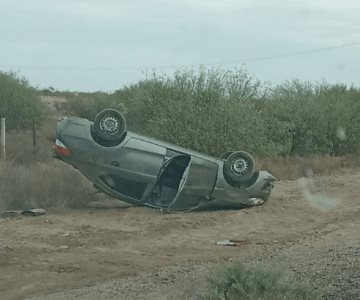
x: 109, y: 125
x: 239, y: 166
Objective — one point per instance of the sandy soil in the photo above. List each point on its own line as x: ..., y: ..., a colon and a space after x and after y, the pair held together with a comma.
x: 311, y: 226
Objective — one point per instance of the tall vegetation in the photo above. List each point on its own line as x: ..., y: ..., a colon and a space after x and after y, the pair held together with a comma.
x: 87, y: 105
x: 19, y: 102
x: 46, y: 185
x: 314, y: 118
x: 216, y: 110
x: 209, y: 111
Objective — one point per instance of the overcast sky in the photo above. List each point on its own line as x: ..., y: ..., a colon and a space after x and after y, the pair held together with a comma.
x: 90, y: 45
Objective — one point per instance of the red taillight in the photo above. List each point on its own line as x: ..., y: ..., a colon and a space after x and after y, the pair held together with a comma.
x: 60, y: 148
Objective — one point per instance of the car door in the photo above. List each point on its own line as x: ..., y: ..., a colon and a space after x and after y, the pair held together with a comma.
x: 197, y: 184
x: 132, y: 171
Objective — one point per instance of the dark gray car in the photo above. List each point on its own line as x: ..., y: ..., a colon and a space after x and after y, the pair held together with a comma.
x: 145, y: 171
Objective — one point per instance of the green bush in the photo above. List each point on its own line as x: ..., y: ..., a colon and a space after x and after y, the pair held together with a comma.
x: 237, y: 281
x: 210, y: 110
x: 19, y: 102
x: 314, y: 118
x: 87, y: 105
x: 214, y: 111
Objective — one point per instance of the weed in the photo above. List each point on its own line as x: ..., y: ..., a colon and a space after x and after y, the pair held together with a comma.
x: 238, y: 281
x: 46, y: 185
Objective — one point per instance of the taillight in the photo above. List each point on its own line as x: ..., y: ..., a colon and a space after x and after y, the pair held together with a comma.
x: 60, y: 148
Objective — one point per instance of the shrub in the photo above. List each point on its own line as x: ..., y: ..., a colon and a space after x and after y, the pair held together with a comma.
x: 209, y: 110
x: 214, y: 111
x: 237, y: 281
x: 87, y: 105
x: 35, y: 179
x: 306, y: 118
x: 44, y: 185
x: 19, y: 102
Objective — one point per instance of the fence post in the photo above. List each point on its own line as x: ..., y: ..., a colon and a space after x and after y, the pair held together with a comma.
x: 34, y: 135
x: 3, y: 139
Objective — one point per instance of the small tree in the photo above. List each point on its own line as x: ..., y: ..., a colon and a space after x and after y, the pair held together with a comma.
x: 19, y: 102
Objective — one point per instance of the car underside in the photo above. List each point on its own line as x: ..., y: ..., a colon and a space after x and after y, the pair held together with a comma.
x: 144, y: 171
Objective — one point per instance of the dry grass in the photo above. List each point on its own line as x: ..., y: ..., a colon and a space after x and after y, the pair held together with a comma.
x: 32, y: 178
x: 296, y: 167
x: 19, y: 145
x: 45, y: 185
x: 37, y: 180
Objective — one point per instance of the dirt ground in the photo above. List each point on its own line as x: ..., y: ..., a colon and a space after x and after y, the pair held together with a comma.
x: 311, y: 226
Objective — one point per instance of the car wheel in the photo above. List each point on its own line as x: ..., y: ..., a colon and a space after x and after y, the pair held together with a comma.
x: 239, y: 167
x: 109, y: 126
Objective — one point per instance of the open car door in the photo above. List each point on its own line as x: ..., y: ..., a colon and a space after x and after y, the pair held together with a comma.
x: 184, y: 183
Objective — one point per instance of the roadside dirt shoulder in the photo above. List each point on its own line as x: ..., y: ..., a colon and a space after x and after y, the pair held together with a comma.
x: 69, y: 249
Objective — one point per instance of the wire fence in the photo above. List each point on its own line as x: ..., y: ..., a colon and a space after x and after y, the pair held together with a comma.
x: 3, y: 137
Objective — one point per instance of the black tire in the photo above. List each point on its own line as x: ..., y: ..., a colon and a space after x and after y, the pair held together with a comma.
x: 109, y: 126
x: 239, y: 167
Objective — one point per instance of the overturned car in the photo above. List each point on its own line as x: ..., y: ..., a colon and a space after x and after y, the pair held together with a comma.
x: 148, y: 172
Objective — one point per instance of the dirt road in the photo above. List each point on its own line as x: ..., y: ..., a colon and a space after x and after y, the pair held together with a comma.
x: 77, y: 248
